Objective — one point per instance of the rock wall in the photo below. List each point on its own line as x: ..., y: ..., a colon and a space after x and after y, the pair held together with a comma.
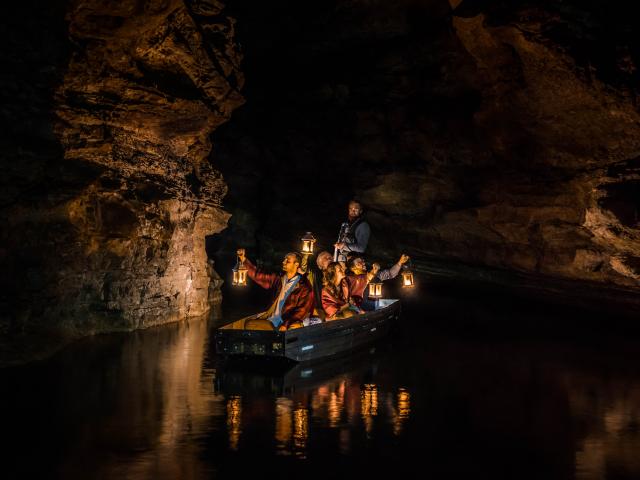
x: 110, y: 196
x: 564, y: 144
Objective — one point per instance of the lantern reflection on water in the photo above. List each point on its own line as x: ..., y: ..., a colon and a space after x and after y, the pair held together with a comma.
x: 239, y: 274
x: 300, y: 431
x: 307, y: 243
x: 369, y: 405
x: 234, y: 422
x: 404, y: 409
x: 284, y: 425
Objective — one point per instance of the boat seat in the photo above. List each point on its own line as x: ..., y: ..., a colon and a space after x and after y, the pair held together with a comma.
x: 258, y: 324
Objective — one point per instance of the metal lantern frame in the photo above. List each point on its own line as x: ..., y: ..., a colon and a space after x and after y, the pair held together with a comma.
x: 308, y: 242
x: 375, y: 289
x: 239, y: 274
x: 407, y: 277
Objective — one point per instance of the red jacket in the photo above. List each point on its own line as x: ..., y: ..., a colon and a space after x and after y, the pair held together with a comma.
x: 331, y: 304
x: 298, y: 304
x: 356, y: 285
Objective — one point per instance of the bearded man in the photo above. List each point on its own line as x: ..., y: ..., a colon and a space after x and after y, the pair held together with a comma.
x: 354, y: 234
x: 293, y: 294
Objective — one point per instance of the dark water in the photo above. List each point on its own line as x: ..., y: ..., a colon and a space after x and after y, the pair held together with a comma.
x: 471, y: 386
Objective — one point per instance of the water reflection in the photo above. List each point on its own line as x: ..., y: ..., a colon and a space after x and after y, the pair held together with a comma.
x: 234, y: 421
x: 402, y: 410
x: 300, y: 431
x: 369, y: 406
x: 146, y: 405
x: 613, y: 442
x: 284, y: 425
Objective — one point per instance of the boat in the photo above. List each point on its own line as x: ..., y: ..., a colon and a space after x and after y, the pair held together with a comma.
x: 313, y: 342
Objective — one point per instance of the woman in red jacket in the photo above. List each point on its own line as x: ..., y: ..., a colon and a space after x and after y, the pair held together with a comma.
x: 335, y: 294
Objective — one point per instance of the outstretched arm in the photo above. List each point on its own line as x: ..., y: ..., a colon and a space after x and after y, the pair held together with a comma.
x: 265, y: 280
x: 389, y: 273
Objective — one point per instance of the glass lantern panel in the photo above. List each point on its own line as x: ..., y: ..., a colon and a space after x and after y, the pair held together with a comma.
x: 407, y: 278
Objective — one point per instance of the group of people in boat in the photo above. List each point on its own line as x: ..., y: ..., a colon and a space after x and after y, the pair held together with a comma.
x: 334, y: 288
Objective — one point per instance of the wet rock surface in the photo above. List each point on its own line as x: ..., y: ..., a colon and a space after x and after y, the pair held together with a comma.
x: 110, y: 189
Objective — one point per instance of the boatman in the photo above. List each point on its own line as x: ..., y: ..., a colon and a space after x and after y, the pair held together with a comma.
x: 354, y: 234
x: 293, y: 294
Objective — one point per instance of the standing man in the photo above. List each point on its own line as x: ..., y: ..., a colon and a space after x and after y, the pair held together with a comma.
x: 293, y: 294
x: 355, y: 233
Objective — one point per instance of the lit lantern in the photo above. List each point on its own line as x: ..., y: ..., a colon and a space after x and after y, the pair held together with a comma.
x: 240, y: 274
x: 407, y: 278
x: 307, y: 243
x: 375, y: 289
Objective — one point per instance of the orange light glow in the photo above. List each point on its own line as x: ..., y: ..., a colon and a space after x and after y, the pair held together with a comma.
x: 234, y: 421
x: 308, y: 242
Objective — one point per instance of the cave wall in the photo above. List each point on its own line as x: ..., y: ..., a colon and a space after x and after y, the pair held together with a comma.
x: 493, y: 134
x: 110, y: 189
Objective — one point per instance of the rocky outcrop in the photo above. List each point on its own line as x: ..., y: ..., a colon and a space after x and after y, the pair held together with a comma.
x: 108, y: 202
x: 566, y: 142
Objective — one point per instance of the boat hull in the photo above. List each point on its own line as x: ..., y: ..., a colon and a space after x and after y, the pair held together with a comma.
x: 322, y: 340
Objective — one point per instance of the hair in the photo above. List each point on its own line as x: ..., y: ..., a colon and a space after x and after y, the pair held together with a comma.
x: 323, y: 254
x: 296, y: 255
x: 357, y: 202
x: 328, y: 279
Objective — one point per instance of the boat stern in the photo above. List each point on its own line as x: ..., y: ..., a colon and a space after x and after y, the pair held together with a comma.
x: 261, y: 343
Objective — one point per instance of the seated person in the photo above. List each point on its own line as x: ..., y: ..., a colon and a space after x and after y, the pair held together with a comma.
x: 293, y: 294
x: 358, y: 278
x: 314, y: 275
x: 335, y: 294
x: 358, y: 266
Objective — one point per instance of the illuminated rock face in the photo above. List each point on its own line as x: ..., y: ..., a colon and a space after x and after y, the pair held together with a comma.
x: 567, y: 140
x: 108, y: 232
x: 497, y: 135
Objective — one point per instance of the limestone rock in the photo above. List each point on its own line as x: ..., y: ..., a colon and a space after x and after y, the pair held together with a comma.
x: 106, y: 225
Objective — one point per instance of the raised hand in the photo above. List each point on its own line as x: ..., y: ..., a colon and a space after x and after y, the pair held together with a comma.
x: 404, y: 259
x: 241, y: 254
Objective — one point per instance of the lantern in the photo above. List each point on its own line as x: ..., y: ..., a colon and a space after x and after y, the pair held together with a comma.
x: 307, y: 243
x: 375, y: 289
x: 407, y: 278
x: 240, y: 274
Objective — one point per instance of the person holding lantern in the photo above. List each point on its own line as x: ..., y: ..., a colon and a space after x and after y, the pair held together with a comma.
x: 358, y: 279
x: 354, y: 234
x: 293, y: 294
x: 358, y: 267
